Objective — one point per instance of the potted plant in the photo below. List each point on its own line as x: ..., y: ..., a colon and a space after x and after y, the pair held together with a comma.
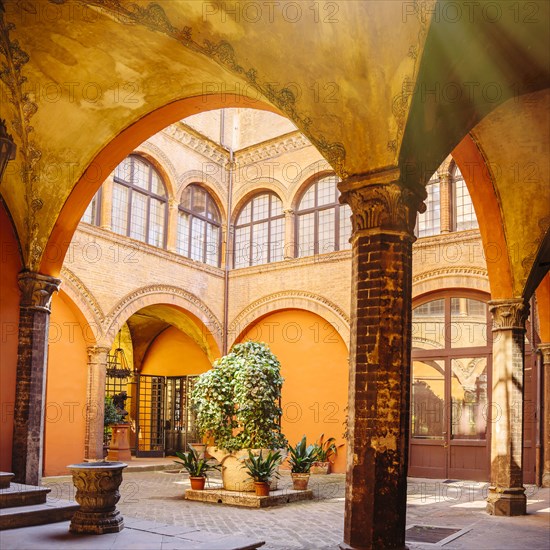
x: 301, y: 457
x: 261, y: 470
x: 326, y: 453
x: 111, y: 416
x: 237, y: 408
x: 196, y: 467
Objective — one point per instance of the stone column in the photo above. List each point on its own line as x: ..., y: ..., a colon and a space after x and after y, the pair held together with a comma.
x: 172, y: 231
x: 545, y: 351
x: 105, y: 215
x: 445, y: 192
x: 290, y: 235
x: 383, y: 219
x: 30, y: 388
x: 506, y: 492
x: 95, y: 402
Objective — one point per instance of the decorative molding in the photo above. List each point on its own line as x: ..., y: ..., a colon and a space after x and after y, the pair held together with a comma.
x: 272, y: 148
x: 11, y: 74
x: 387, y: 206
x: 197, y: 142
x: 160, y: 155
x: 455, y: 270
x: 37, y: 290
x: 509, y: 314
x: 213, y: 324
x: 236, y: 324
x: 97, y: 355
x: 83, y: 293
x: 545, y: 352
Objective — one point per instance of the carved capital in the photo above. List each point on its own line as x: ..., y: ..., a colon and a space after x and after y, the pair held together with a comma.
x: 545, y: 352
x: 383, y: 206
x: 509, y: 314
x: 37, y: 290
x: 288, y: 212
x: 97, y: 355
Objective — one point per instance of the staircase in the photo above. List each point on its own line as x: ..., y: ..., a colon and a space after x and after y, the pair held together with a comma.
x: 24, y: 505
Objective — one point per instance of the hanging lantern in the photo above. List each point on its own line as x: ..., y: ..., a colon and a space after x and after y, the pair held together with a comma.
x: 117, y: 366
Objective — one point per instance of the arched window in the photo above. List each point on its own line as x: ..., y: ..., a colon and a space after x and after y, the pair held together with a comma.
x: 92, y: 213
x: 139, y: 202
x: 464, y: 213
x: 260, y: 231
x: 324, y: 224
x: 429, y: 223
x: 199, y: 226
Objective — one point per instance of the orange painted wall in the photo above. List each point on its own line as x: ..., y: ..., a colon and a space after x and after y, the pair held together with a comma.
x: 543, y: 302
x: 314, y: 364
x: 65, y: 420
x: 173, y: 353
x: 10, y: 266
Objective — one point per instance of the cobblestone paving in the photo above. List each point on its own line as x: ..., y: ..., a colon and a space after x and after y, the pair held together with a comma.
x: 318, y: 524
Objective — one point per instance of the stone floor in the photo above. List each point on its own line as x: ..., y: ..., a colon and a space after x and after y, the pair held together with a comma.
x: 157, y: 496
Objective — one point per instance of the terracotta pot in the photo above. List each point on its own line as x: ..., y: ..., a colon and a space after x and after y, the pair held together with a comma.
x: 97, y: 493
x: 197, y: 483
x: 320, y: 468
x: 299, y: 481
x: 119, y: 447
x: 261, y: 488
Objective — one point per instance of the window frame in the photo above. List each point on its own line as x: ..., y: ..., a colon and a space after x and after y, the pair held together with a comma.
x: 98, y: 197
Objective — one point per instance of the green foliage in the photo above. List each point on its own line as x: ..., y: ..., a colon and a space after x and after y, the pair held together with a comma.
x: 262, y: 469
x: 111, y: 415
x: 326, y: 450
x: 237, y: 401
x: 302, y: 457
x: 195, y: 466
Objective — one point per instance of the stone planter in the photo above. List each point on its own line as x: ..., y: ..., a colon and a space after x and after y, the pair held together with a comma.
x: 320, y: 468
x: 299, y: 481
x: 97, y: 493
x: 234, y: 475
x: 119, y: 448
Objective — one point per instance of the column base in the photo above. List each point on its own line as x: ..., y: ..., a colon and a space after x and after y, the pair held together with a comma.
x: 506, y: 502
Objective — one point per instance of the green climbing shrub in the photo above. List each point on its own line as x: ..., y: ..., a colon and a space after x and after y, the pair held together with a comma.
x: 237, y: 401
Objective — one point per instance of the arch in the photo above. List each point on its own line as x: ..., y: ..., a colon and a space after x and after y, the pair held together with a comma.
x: 151, y: 295
x: 468, y: 277
x: 106, y: 160
x: 291, y: 299
x: 211, y: 186
x: 161, y: 163
x: 312, y: 177
x: 248, y: 192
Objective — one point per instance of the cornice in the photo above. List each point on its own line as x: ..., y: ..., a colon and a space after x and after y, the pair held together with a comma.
x: 272, y: 148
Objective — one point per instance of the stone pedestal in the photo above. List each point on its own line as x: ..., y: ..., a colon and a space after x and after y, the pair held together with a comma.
x: 506, y: 492
x: 384, y: 215
x: 97, y: 493
x: 119, y: 449
x: 30, y: 388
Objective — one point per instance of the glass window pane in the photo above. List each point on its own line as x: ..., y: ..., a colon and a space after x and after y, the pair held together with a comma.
x: 199, y: 201
x: 141, y: 174
x: 277, y: 240
x: 124, y: 170
x: 468, y: 326
x: 244, y: 216
x: 138, y: 219
x: 428, y: 325
x: 198, y: 235
x: 345, y: 227
x: 259, y: 245
x: 428, y: 399
x: 212, y: 211
x: 157, y: 187
x: 119, y: 212
x: 242, y: 247
x: 306, y: 234
x: 212, y: 245
x: 469, y: 398
x: 308, y: 200
x: 182, y: 245
x: 260, y: 208
x: 464, y: 209
x: 326, y: 191
x: 429, y: 223
x: 186, y: 198
x: 326, y: 231
x: 90, y: 215
x: 276, y: 206
x: 156, y: 223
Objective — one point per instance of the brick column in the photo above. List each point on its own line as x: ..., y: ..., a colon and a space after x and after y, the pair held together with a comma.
x: 445, y: 190
x: 95, y: 402
x: 105, y: 215
x: 30, y: 388
x: 290, y: 235
x: 545, y: 351
x: 172, y: 231
x: 506, y: 492
x: 384, y: 215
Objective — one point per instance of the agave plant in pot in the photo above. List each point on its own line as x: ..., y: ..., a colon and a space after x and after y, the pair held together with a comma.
x: 326, y: 453
x: 237, y: 408
x: 261, y: 470
x: 301, y: 457
x: 196, y: 467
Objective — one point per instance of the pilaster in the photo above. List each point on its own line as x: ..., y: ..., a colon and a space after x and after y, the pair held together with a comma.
x: 545, y: 352
x: 106, y: 213
x: 95, y: 402
x: 383, y: 219
x: 290, y: 235
x: 506, y: 492
x: 172, y: 231
x: 445, y: 192
x: 30, y: 388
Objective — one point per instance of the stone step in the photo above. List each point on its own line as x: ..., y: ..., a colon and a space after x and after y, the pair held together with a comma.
x: 19, y: 494
x: 51, y: 511
x: 5, y: 479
